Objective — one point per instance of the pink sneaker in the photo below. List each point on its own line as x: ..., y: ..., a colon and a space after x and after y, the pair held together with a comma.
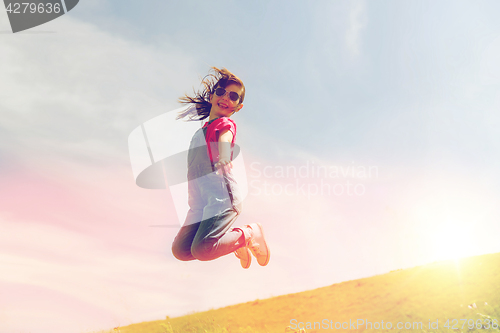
x: 243, y: 253
x: 257, y: 244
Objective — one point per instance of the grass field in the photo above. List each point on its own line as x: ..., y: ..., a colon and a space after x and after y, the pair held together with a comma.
x: 466, y: 293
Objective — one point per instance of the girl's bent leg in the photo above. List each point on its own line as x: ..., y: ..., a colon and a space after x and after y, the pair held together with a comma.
x: 215, y: 238
x: 181, y: 248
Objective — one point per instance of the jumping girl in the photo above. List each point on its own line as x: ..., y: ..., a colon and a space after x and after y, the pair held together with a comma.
x: 214, y: 199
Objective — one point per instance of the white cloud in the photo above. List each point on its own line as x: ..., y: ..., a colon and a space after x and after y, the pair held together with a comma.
x: 337, y: 33
x: 357, y: 21
x: 80, y: 91
x: 94, y: 284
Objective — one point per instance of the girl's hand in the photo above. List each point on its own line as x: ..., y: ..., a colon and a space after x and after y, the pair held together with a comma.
x: 223, y: 166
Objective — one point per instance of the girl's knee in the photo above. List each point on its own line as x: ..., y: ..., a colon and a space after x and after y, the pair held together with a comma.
x: 204, y: 250
x: 182, y: 254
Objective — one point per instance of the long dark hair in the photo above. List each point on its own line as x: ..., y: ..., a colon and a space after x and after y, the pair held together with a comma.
x: 201, y: 100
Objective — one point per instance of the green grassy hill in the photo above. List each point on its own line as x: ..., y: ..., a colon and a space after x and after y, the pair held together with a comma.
x: 435, y: 292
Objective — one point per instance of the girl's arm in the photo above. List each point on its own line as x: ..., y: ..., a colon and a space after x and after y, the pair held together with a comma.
x: 225, y: 140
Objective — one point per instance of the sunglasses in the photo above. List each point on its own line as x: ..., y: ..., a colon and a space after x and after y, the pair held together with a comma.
x: 232, y: 95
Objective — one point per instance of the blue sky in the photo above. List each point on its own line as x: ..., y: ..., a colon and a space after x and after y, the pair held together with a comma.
x: 409, y: 88
x: 343, y: 68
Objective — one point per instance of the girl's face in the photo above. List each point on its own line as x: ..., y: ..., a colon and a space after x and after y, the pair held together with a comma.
x: 224, y: 106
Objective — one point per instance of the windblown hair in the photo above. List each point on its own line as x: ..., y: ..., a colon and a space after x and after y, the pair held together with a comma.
x: 201, y: 100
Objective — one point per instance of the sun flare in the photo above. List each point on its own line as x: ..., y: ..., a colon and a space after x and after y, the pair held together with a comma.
x: 450, y: 240
x: 448, y: 228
